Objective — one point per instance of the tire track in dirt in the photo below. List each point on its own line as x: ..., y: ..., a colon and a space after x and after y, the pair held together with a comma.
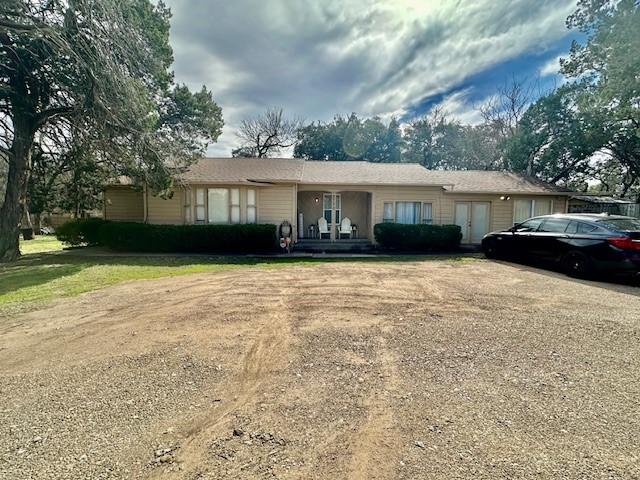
x: 266, y: 355
x: 376, y: 444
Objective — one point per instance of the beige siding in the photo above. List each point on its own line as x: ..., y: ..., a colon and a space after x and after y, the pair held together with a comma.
x: 124, y: 204
x: 276, y: 204
x: 501, y: 213
x: 560, y: 205
x: 166, y: 211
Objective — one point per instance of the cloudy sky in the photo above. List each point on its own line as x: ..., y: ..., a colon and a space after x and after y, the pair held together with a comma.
x: 393, y: 57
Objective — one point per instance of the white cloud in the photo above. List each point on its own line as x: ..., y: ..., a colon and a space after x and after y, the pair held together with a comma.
x: 458, y: 106
x: 552, y: 67
x: 318, y: 59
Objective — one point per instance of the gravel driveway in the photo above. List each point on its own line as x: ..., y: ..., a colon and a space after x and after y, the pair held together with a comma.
x: 383, y: 370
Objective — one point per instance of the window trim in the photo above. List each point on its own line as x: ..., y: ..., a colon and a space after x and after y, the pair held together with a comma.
x: 234, y: 205
x: 390, y: 219
x: 424, y: 220
x: 253, y: 205
x: 203, y: 205
x: 187, y: 207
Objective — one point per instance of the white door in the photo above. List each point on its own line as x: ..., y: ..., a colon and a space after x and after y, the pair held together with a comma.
x: 473, y: 219
x: 463, y: 219
x: 479, y: 221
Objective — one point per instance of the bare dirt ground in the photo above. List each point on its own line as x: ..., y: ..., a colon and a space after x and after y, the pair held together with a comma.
x: 435, y: 369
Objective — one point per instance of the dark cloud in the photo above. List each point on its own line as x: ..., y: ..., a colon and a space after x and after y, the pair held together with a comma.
x: 316, y: 59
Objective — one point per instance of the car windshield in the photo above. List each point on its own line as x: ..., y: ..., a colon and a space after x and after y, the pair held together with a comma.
x: 628, y: 224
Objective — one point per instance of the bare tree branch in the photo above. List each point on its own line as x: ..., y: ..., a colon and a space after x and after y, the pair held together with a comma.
x: 267, y: 134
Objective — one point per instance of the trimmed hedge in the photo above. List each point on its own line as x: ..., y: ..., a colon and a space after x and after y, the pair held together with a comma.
x: 417, y: 238
x: 142, y: 237
x: 80, y: 231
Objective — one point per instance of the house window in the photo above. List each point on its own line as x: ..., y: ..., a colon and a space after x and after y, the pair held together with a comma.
x: 235, y: 205
x: 387, y: 212
x: 427, y: 217
x: 524, y: 209
x: 218, y: 205
x: 251, y: 206
x: 408, y: 212
x: 200, y: 205
x: 187, y: 206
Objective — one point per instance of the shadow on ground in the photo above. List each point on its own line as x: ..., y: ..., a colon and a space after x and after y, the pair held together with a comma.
x: 620, y: 284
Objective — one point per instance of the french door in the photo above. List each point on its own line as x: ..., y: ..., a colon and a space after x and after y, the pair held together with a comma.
x: 473, y: 220
x: 332, y: 210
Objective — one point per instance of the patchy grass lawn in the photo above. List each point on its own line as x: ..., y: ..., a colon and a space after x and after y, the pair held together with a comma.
x: 35, y: 280
x: 40, y: 244
x: 30, y: 282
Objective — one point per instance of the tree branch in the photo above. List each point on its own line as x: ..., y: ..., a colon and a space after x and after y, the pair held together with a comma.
x: 46, y: 115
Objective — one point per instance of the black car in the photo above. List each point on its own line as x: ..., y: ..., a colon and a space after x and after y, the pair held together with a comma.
x: 581, y: 244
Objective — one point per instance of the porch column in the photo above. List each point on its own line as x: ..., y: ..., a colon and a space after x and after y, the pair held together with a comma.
x: 332, y: 232
x: 371, y: 215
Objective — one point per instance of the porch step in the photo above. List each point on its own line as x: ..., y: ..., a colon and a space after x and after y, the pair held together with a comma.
x: 318, y: 246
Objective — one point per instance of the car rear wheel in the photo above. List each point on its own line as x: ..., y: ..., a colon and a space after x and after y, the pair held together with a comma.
x: 577, y: 264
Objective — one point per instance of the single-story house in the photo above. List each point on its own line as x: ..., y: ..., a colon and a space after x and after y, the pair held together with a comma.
x: 274, y: 190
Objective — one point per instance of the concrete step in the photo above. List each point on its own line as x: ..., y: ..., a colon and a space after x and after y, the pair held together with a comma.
x: 318, y: 246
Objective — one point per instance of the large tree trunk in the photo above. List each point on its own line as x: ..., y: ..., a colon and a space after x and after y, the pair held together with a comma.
x: 12, y: 208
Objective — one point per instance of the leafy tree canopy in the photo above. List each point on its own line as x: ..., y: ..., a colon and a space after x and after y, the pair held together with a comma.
x: 350, y: 138
x: 98, y: 71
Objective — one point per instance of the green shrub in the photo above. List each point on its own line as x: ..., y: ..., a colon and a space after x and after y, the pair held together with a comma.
x: 140, y: 237
x: 417, y: 238
x: 80, y: 231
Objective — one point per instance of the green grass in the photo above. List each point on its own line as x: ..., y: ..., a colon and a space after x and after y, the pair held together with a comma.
x: 37, y: 279
x: 40, y: 244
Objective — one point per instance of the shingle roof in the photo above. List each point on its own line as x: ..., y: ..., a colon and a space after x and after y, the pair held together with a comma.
x: 291, y: 170
x: 244, y: 170
x: 483, y: 181
x: 365, y: 173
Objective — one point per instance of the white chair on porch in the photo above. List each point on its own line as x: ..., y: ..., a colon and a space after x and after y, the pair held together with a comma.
x: 345, y: 228
x: 323, y: 228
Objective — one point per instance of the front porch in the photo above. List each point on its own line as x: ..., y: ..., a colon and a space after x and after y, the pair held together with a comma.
x: 360, y: 245
x: 334, y: 207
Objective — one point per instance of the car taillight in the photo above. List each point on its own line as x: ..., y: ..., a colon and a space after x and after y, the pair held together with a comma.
x: 625, y: 243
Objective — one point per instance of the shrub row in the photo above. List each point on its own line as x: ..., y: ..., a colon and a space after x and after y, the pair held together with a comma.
x: 417, y: 238
x: 80, y: 231
x: 141, y: 237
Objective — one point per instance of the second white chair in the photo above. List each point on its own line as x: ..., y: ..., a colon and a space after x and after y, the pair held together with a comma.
x: 345, y: 227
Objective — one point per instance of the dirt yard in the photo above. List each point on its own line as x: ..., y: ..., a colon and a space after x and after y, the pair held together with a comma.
x: 418, y: 370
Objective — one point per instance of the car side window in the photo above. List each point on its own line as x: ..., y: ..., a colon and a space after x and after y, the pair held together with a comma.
x: 554, y: 225
x: 529, y: 226
x: 572, y: 227
x: 587, y: 228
